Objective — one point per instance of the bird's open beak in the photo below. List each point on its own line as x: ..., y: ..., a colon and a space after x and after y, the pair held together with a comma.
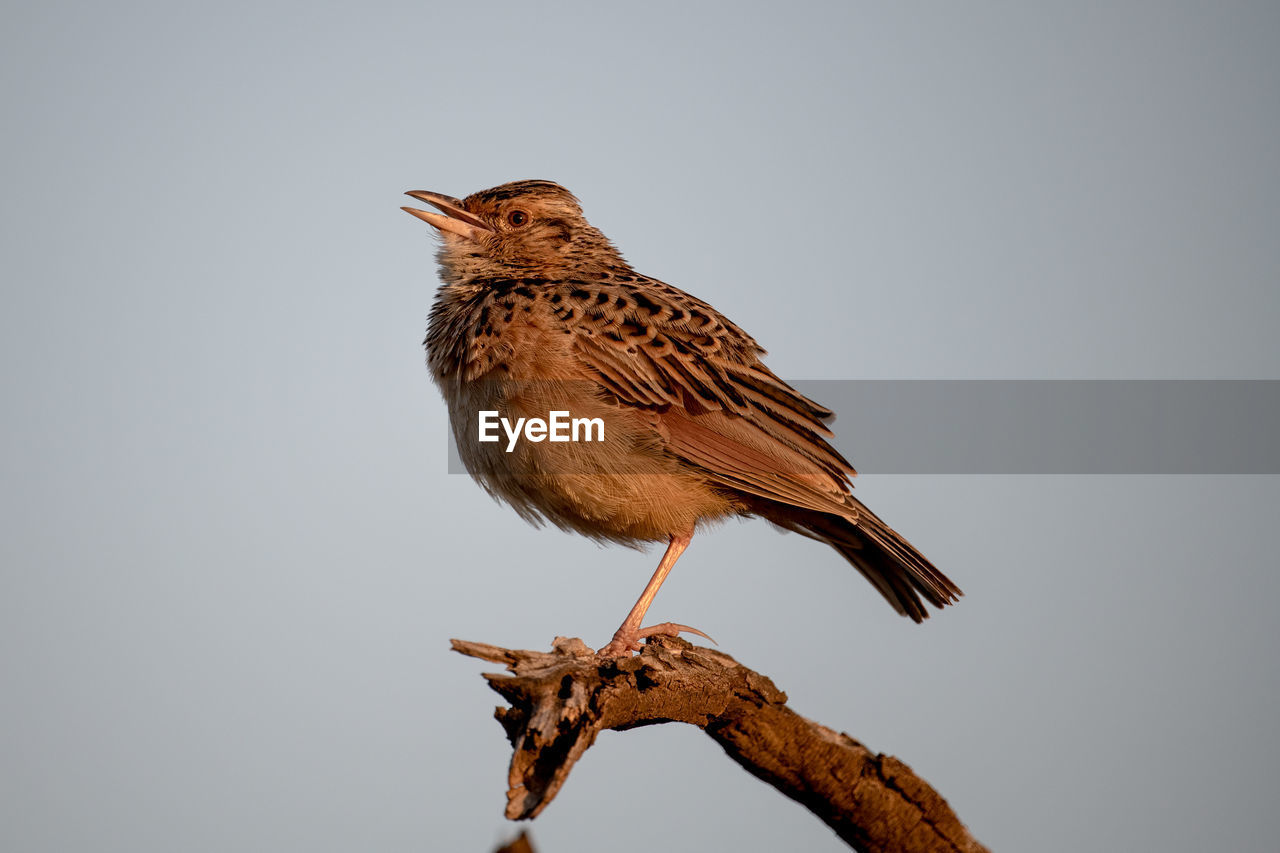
x: 455, y: 218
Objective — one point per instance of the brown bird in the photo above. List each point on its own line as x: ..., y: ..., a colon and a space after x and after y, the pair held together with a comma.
x: 539, y: 313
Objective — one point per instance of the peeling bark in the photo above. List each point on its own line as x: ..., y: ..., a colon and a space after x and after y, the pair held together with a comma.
x: 561, y: 700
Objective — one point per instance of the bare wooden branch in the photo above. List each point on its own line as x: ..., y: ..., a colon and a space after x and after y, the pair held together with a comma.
x: 560, y: 701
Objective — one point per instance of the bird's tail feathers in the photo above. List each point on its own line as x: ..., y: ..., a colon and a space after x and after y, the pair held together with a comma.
x: 902, y: 574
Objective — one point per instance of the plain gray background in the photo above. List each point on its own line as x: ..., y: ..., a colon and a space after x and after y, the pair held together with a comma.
x: 232, y: 556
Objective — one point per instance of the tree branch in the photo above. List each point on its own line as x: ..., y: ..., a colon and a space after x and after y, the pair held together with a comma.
x: 560, y: 701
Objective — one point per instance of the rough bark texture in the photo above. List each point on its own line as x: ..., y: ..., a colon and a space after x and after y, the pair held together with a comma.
x: 560, y: 701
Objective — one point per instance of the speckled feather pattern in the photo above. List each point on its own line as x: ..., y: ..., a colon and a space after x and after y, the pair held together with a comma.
x: 540, y: 311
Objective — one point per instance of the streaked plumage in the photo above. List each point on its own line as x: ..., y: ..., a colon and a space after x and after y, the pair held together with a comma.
x: 539, y: 311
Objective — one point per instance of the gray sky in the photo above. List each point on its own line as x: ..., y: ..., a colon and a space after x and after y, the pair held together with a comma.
x: 231, y: 555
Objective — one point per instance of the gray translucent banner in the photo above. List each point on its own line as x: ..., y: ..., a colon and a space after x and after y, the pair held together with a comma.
x: 1047, y: 426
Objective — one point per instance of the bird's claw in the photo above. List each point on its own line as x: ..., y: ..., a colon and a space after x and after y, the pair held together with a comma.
x: 624, y: 642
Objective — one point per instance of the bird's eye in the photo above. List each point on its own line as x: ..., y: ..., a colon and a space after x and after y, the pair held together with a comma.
x: 518, y: 218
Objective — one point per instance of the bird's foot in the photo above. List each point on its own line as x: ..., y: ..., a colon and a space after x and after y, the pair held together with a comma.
x: 625, y: 642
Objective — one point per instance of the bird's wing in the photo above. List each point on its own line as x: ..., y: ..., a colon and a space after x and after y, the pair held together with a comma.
x: 712, y: 400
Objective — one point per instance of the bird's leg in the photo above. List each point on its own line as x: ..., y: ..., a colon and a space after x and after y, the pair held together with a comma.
x: 628, y: 636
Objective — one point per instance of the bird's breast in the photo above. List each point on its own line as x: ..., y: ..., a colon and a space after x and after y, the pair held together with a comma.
x: 536, y: 428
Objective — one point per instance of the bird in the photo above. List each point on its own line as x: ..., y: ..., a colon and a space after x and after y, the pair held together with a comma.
x: 538, y: 312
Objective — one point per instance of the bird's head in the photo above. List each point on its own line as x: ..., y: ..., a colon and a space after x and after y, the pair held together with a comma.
x: 521, y: 229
